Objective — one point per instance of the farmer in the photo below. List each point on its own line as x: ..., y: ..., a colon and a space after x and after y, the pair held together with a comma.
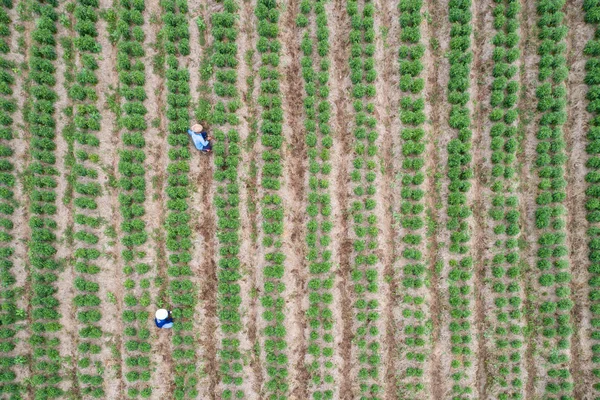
x: 200, y: 138
x: 163, y: 319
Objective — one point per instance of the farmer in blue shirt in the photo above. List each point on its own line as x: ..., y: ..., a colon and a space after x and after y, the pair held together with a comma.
x: 200, y: 138
x: 163, y: 319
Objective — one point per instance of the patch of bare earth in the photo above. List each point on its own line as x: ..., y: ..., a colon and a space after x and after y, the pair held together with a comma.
x: 156, y: 173
x: 110, y: 276
x: 432, y: 94
x: 339, y: 25
x: 436, y: 107
x: 64, y: 214
x: 575, y: 136
x: 386, y: 112
x: 203, y: 223
x: 295, y: 165
x: 253, y: 375
x: 528, y: 181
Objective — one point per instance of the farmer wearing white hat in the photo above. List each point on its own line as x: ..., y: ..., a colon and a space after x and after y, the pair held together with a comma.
x: 163, y: 319
x: 200, y: 138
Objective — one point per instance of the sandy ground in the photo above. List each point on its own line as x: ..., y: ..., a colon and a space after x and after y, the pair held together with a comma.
x: 340, y: 83
x: 528, y: 181
x: 294, y: 201
x: 247, y: 85
x: 575, y: 135
x: 436, y: 93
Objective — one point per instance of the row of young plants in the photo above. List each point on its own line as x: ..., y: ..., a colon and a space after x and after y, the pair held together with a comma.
x: 9, y: 293
x: 129, y: 36
x: 46, y: 363
x: 415, y: 315
x: 271, y: 135
x: 365, y: 262
x: 316, y: 66
x: 505, y: 274
x: 552, y: 254
x: 226, y: 153
x: 460, y: 174
x: 592, y: 178
x: 182, y: 291
x: 86, y: 188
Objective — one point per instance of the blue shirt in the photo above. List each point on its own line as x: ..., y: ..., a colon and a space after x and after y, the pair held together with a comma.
x: 164, y: 323
x: 200, y: 140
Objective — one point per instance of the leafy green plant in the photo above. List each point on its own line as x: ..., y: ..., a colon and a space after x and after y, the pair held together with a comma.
x: 318, y: 140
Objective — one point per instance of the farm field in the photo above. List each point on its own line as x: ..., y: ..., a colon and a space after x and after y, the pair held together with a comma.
x: 402, y: 199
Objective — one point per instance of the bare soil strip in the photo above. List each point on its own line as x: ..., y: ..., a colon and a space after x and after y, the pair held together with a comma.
x: 528, y: 181
x: 205, y: 272
x: 340, y: 82
x: 20, y: 146
x: 203, y: 217
x: 432, y: 94
x: 575, y: 136
x: 156, y: 164
x: 437, y: 108
x: 338, y: 173
x: 248, y: 194
x: 110, y: 275
x: 294, y: 198
x: 386, y: 108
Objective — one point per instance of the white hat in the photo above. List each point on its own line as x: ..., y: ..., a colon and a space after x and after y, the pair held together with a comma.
x: 197, y: 128
x: 161, y: 314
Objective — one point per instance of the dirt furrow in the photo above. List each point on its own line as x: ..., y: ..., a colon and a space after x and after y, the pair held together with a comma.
x: 20, y: 32
x: 248, y: 194
x: 294, y: 198
x: 386, y: 111
x: 203, y: 215
x: 340, y: 84
x: 204, y: 266
x: 528, y: 181
x: 437, y: 108
x: 111, y: 266
x: 575, y: 136
x: 156, y: 166
x: 433, y: 94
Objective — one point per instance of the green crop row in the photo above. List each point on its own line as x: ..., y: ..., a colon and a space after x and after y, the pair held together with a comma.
x: 554, y: 271
x: 83, y: 92
x: 320, y: 359
x: 227, y: 152
x: 181, y: 290
x: 364, y: 273
x: 416, y: 329
x: 460, y: 173
x: 505, y: 277
x: 46, y: 364
x: 129, y: 37
x: 9, y: 315
x: 592, y: 178
x: 271, y: 119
